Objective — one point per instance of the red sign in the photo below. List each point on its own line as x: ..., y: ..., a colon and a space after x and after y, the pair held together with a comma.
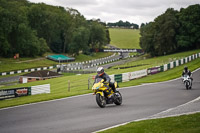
x: 22, y: 92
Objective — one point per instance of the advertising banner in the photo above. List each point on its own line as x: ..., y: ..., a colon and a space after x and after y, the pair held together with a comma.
x: 22, y: 91
x: 39, y: 89
x: 16, y: 92
x: 112, y: 77
x: 118, y: 77
x: 5, y: 94
x: 154, y: 70
x: 138, y: 74
x: 126, y: 77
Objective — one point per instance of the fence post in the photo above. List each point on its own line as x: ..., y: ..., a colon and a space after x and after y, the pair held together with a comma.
x: 68, y: 85
x: 88, y: 83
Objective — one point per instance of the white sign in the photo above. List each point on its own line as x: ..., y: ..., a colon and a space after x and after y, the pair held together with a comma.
x: 39, y: 89
x: 24, y: 80
x: 138, y: 74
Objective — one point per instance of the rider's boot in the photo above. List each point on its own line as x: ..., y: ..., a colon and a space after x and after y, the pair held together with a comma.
x: 114, y: 89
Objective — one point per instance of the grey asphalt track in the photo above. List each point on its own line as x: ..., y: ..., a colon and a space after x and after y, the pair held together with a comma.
x: 81, y: 114
x: 8, y: 79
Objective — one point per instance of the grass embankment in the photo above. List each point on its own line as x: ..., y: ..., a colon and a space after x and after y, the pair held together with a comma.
x: 180, y: 124
x: 10, y: 64
x: 124, y: 38
x: 145, y: 63
x: 79, y: 83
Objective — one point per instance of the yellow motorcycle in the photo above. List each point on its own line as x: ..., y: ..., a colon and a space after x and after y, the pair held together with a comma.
x: 104, y: 93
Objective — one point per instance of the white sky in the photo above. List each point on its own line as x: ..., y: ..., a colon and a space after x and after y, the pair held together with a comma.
x: 134, y: 11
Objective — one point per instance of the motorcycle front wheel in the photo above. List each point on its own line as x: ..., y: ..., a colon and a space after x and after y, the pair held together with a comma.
x: 118, y: 98
x: 187, y: 85
x: 101, y: 100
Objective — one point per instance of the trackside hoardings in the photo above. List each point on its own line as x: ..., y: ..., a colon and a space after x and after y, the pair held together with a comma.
x: 16, y: 92
x: 24, y: 91
x: 154, y: 70
x: 134, y: 75
x: 72, y: 66
x: 138, y: 74
x: 39, y: 89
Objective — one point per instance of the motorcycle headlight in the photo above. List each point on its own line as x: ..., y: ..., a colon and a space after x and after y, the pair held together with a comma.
x: 97, y: 87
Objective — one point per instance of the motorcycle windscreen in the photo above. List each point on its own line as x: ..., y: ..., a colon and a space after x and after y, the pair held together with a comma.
x: 97, y: 80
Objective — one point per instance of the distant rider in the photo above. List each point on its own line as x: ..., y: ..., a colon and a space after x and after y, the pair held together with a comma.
x: 103, y: 75
x: 186, y: 71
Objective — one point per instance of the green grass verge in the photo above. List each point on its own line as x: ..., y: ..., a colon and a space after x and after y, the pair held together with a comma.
x: 10, y: 64
x: 163, y: 76
x: 145, y: 63
x: 124, y: 38
x: 82, y: 57
x: 79, y: 85
x: 180, y: 124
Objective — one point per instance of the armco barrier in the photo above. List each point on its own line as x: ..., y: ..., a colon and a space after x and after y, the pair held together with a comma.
x: 162, y: 68
x: 27, y: 70
x: 56, y: 66
x: 165, y: 67
x: 169, y: 66
x: 179, y: 62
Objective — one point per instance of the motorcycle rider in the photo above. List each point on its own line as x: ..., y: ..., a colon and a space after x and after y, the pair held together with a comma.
x: 103, y: 75
x: 186, y: 71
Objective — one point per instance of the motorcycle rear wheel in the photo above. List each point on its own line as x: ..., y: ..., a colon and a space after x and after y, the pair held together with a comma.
x: 101, y: 100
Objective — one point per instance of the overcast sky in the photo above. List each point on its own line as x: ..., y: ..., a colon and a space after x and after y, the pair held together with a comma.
x: 134, y: 11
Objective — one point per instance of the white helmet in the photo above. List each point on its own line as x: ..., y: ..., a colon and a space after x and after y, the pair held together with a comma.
x: 100, y: 71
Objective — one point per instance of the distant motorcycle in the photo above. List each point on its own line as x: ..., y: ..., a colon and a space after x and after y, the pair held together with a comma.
x: 187, y: 81
x: 104, y: 95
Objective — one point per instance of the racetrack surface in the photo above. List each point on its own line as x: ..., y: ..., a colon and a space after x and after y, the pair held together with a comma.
x: 81, y: 114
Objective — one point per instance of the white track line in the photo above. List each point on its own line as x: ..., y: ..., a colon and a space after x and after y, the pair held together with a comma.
x: 46, y: 101
x: 86, y: 94
x: 151, y: 117
x: 168, y: 110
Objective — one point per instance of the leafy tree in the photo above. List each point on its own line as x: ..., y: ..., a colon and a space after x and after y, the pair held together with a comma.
x: 16, y: 35
x: 142, y: 25
x: 189, y: 32
x: 123, y: 24
x: 147, y: 38
x: 159, y: 37
x: 46, y: 21
x: 108, y: 36
x: 79, y: 41
x: 166, y: 26
x: 97, y: 35
x: 32, y: 29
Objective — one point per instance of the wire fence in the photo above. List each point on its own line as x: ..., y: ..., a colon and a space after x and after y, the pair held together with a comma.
x: 78, y: 72
x: 83, y: 83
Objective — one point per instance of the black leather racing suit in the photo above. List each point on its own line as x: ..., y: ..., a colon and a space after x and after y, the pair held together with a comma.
x: 106, y: 79
x: 187, y: 73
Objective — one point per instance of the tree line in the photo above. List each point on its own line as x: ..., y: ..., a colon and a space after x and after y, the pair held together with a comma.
x: 172, y: 31
x: 122, y: 24
x: 32, y: 29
